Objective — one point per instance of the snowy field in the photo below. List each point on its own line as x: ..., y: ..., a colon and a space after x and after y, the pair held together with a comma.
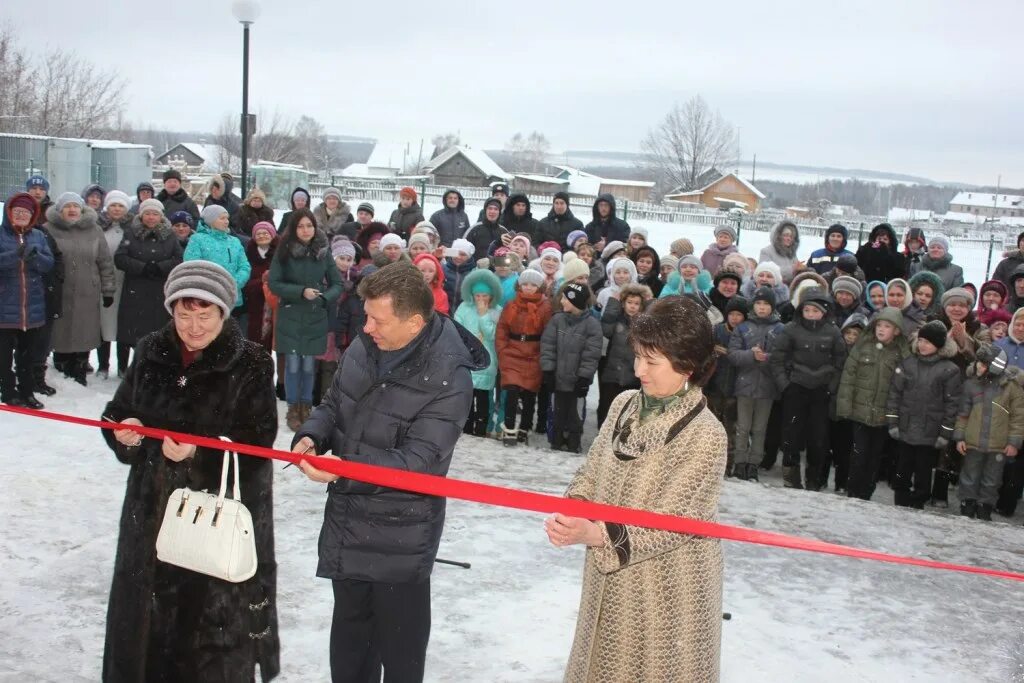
x: 795, y: 616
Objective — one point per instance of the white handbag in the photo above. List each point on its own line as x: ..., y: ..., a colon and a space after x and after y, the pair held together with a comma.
x: 207, y: 533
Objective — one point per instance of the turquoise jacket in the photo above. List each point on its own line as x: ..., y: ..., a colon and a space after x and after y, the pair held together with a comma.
x: 483, y: 327
x: 222, y: 248
x: 671, y: 288
x: 508, y: 286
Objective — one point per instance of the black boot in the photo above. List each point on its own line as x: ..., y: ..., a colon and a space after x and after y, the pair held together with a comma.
x: 572, y: 442
x: 30, y: 401
x: 523, y: 437
x: 751, y: 472
x: 791, y: 477
x: 985, y: 512
x: 39, y: 381
x: 739, y: 471
x: 940, y: 489
x: 902, y: 498
x: 78, y: 370
x: 969, y: 508
x: 480, y: 428
x: 509, y: 437
x: 12, y: 401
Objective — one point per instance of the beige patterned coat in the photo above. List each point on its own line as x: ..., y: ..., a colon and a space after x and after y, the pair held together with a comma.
x: 651, y: 608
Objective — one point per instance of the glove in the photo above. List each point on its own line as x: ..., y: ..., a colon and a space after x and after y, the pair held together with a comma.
x: 549, y: 381
x: 151, y: 269
x: 941, y: 443
x: 582, y: 387
x: 894, y: 432
x: 108, y: 301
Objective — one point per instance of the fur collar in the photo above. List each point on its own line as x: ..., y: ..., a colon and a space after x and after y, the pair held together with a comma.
x: 315, y: 249
x: 162, y: 231
x: 88, y: 220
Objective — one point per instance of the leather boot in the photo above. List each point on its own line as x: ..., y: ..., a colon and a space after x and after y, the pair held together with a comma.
x: 791, y: 477
x: 292, y: 417
x: 751, y: 472
x: 969, y: 509
x: 39, y: 381
x: 30, y: 401
x: 940, y: 489
x: 304, y: 411
x: 78, y: 369
x: 985, y: 512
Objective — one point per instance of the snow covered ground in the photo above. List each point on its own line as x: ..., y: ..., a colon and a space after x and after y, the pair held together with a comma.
x: 795, y: 616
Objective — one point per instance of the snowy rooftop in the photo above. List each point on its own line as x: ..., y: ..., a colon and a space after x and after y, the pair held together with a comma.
x: 989, y: 200
x: 479, y: 158
x: 541, y: 178
x: 897, y: 213
x: 395, y: 155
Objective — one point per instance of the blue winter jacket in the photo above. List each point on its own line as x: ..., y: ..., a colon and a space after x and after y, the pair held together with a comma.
x: 22, y: 289
x: 1014, y: 351
x: 224, y: 249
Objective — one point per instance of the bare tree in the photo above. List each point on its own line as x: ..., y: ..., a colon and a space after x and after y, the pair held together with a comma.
x: 16, y: 83
x: 313, y: 149
x: 274, y: 139
x: 528, y: 152
x: 442, y: 142
x: 691, y: 140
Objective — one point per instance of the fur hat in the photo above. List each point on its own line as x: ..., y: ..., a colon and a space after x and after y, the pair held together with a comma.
x: 574, y: 269
x: 256, y: 193
x: 464, y: 246
x: 118, y: 197
x: 728, y: 275
x: 737, y: 263
x: 210, y: 213
x: 573, y: 237
x: 391, y: 239
x: 935, y: 332
x: 681, y: 247
x: 958, y: 293
x: 941, y: 241
x: 845, y: 283
x: 577, y: 294
x: 172, y: 174
x: 151, y: 204
x: 203, y: 280
x: 638, y: 230
x: 847, y: 263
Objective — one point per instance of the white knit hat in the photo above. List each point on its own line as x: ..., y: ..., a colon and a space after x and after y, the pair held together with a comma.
x: 552, y: 253
x: 390, y: 239
x: 465, y: 246
x: 118, y: 197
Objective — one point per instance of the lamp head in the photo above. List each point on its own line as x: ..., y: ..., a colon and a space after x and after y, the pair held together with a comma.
x: 246, y: 11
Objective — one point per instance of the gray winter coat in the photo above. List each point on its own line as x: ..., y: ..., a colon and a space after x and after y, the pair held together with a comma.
x: 810, y: 353
x: 451, y: 224
x: 618, y: 365
x: 88, y: 277
x: 113, y: 232
x: 754, y: 379
x: 924, y: 396
x: 571, y: 347
x: 407, y: 417
x: 949, y: 273
x: 784, y: 257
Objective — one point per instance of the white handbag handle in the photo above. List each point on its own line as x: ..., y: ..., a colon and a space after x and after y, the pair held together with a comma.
x: 224, y: 469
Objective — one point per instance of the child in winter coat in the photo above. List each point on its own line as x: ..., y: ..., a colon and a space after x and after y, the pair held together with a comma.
x: 847, y: 293
x: 721, y: 387
x: 507, y: 267
x: 840, y: 432
x: 433, y: 273
x: 616, y: 373
x: 517, y: 342
x: 989, y: 427
x: 689, y: 278
x: 344, y: 253
x: 874, y: 297
x: 863, y: 391
x: 807, y: 362
x: 750, y: 349
x: 457, y: 266
x: 767, y: 274
x: 921, y: 412
x: 570, y: 350
x: 621, y: 272
x: 479, y: 313
x: 724, y: 244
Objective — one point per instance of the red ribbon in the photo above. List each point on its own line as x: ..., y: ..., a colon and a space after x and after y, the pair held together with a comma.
x: 487, y: 494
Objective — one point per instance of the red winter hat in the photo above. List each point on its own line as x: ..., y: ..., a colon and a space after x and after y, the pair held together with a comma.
x: 408, y: 192
x: 23, y: 200
x: 549, y: 244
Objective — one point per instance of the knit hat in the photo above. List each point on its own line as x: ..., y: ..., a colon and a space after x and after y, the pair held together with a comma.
x: 577, y: 294
x: 492, y: 200
x: 681, y: 247
x: 611, y: 249
x: 332, y: 192
x: 551, y: 252
x: 574, y: 269
x: 464, y: 246
x: 118, y: 197
x: 521, y: 238
x: 550, y: 244
x: 68, y: 198
x: 365, y: 206
x: 960, y: 294
x: 182, y: 217
x: 391, y: 239
x: 817, y: 303
x: 836, y: 228
x: 151, y: 204
x: 855, y: 320
x: 847, y: 263
x: 203, y: 280
x: 211, y: 213
x: 480, y: 287
x: 23, y: 200
x: 689, y: 260
x: 993, y: 358
x: 737, y: 263
x: 561, y: 194
x: 569, y: 256
x: 845, y: 283
x: 483, y: 263
x: 738, y: 303
x: 172, y: 174
x: 37, y: 181
x: 408, y: 192
x: 265, y: 226
x: 935, y: 332
x: 769, y: 267
x: 727, y: 229
x: 764, y: 294
x: 639, y: 230
x: 499, y: 187
x: 420, y: 238
x: 531, y: 277
x: 725, y: 275
x: 573, y: 236
x: 669, y: 260
x: 941, y: 241
x: 340, y: 246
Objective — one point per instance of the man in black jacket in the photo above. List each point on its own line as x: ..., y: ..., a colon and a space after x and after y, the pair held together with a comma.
x: 451, y: 221
x: 489, y: 231
x: 518, y: 218
x: 174, y: 198
x: 606, y: 226
x: 556, y: 226
x: 399, y: 400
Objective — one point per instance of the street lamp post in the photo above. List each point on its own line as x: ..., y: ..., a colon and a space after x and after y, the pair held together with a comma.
x: 246, y: 12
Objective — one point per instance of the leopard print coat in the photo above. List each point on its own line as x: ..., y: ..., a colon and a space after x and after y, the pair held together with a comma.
x: 651, y: 608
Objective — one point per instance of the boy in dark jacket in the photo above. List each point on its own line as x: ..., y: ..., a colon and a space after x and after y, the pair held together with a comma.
x: 721, y: 388
x: 750, y: 348
x: 807, y: 362
x: 456, y: 267
x: 863, y: 391
x: 570, y: 350
x: 989, y: 427
x: 616, y: 373
x: 921, y: 412
x: 840, y: 432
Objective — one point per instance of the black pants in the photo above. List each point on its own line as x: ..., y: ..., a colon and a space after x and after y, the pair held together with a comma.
x: 44, y: 345
x: 805, y: 424
x: 103, y: 355
x: 914, y: 465
x: 379, y: 624
x: 840, y: 436
x: 17, y: 350
x: 607, y: 394
x: 868, y: 443
x: 566, y: 420
x: 479, y: 413
x: 543, y: 407
x: 724, y: 408
x: 513, y: 395
x: 1013, y: 486
x: 773, y: 437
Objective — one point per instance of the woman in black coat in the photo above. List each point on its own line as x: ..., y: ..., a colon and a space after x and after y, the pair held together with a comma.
x: 147, y: 253
x: 200, y: 376
x: 879, y: 257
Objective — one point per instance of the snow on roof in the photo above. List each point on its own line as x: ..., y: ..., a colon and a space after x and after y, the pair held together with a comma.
x: 746, y: 184
x: 900, y: 214
x: 541, y: 178
x: 989, y: 200
x: 962, y: 217
x: 479, y: 158
x: 206, y: 152
x: 393, y: 155
x: 575, y: 171
x: 627, y: 183
x: 691, y: 193
x: 726, y: 200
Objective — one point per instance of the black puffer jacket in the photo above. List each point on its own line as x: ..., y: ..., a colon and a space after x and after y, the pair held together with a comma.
x: 451, y: 224
x: 611, y: 229
x: 809, y: 353
x: 555, y: 228
x: 141, y: 310
x: 406, y: 418
x: 483, y: 235
x: 882, y: 262
x: 525, y: 223
x: 179, y: 201
x: 163, y: 622
x: 618, y: 364
x: 925, y: 395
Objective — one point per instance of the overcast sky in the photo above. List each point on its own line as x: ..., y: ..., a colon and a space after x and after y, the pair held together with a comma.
x: 927, y: 87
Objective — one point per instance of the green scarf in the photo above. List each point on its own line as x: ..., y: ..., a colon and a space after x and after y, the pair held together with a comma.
x: 653, y: 407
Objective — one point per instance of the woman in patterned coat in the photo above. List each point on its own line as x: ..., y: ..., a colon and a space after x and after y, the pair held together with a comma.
x: 651, y: 608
